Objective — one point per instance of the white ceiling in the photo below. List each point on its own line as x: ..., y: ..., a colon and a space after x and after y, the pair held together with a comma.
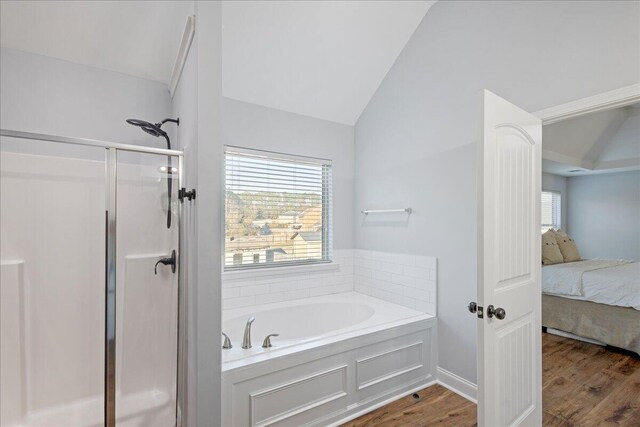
x: 139, y: 38
x: 602, y: 142
x: 322, y: 59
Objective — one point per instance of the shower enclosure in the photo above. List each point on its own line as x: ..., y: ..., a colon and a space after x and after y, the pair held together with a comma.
x: 89, y: 334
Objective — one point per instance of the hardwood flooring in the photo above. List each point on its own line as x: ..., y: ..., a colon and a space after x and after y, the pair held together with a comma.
x: 583, y: 385
x: 436, y: 406
x: 587, y: 385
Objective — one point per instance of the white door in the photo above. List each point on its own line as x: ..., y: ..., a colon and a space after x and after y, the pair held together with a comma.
x: 509, y: 294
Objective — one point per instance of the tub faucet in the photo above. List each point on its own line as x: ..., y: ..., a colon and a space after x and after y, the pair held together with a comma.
x: 267, y: 341
x: 246, y: 341
x: 227, y: 342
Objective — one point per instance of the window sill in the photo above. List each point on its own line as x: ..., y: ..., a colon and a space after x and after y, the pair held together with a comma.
x: 279, y: 271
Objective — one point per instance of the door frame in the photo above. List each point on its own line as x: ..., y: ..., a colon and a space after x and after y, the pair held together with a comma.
x: 616, y: 98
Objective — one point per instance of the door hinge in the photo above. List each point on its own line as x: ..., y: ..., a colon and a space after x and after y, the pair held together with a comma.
x: 183, y: 193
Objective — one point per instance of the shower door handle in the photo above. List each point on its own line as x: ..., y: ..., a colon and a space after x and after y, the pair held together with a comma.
x: 167, y: 261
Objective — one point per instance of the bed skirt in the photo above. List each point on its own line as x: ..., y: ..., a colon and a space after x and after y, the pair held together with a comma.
x: 616, y: 326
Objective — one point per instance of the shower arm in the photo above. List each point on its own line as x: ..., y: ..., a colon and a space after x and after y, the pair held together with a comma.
x: 176, y: 121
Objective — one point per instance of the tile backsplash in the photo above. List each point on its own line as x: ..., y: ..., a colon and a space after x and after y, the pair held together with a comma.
x: 407, y: 280
x: 243, y: 292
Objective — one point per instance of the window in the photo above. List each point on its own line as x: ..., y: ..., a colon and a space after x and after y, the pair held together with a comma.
x: 551, y: 210
x: 277, y: 209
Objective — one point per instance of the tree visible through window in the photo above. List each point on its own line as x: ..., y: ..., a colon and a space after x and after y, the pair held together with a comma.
x: 277, y: 209
x: 551, y: 210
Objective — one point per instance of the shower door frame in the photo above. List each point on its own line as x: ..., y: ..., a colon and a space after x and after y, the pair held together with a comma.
x: 111, y: 176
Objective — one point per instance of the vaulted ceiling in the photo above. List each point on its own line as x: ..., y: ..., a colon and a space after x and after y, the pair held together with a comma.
x: 606, y: 141
x: 139, y: 38
x: 323, y: 59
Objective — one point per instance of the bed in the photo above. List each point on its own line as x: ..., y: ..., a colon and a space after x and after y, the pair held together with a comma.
x: 595, y: 299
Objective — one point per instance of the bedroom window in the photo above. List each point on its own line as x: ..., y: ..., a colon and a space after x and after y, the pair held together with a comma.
x: 551, y: 210
x: 277, y: 209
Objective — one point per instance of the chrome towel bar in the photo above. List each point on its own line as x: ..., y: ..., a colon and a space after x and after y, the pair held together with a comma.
x: 375, y: 211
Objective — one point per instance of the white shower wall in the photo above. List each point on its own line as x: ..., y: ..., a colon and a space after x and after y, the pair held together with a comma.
x: 53, y: 291
x: 49, y: 299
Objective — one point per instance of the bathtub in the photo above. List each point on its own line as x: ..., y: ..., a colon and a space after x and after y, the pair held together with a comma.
x: 336, y: 357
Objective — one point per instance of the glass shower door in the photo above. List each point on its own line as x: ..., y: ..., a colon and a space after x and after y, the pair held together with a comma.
x: 146, y: 289
x: 89, y: 289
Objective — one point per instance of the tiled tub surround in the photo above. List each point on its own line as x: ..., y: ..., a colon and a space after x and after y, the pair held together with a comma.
x: 407, y: 280
x: 269, y: 288
x: 403, y: 279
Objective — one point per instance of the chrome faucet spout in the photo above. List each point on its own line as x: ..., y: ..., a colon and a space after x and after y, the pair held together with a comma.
x: 246, y: 341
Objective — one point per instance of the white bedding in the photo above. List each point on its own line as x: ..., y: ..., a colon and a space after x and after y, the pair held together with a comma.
x: 612, y: 282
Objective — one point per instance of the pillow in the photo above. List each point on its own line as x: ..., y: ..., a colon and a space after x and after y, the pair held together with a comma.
x: 550, y: 250
x: 567, y: 246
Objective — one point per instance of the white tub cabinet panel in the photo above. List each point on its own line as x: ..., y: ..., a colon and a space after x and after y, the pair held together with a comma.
x: 382, y: 367
x: 325, y: 384
x: 291, y: 403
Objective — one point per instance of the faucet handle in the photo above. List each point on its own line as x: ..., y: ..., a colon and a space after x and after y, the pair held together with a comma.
x: 227, y: 342
x: 267, y: 341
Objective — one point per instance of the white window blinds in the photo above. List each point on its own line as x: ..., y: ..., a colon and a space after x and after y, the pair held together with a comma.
x: 277, y: 209
x: 551, y: 210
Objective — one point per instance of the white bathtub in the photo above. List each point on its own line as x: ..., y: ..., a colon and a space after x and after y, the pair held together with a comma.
x: 337, y: 356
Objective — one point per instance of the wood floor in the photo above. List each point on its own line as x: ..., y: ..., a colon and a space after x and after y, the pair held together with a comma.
x: 583, y: 385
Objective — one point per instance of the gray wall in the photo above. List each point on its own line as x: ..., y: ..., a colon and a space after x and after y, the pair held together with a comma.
x: 208, y: 217
x: 197, y: 101
x: 253, y: 126
x: 47, y: 95
x: 557, y: 183
x: 185, y: 106
x: 415, y: 141
x: 604, y: 215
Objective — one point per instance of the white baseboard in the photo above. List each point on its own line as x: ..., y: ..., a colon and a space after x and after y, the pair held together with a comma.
x: 458, y: 385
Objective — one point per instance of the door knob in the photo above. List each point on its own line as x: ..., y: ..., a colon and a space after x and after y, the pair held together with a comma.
x: 473, y: 307
x: 498, y: 312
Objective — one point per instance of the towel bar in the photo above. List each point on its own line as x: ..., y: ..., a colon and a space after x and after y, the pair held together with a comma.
x: 373, y: 211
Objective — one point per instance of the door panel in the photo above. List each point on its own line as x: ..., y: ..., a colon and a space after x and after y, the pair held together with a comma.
x: 509, y: 349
